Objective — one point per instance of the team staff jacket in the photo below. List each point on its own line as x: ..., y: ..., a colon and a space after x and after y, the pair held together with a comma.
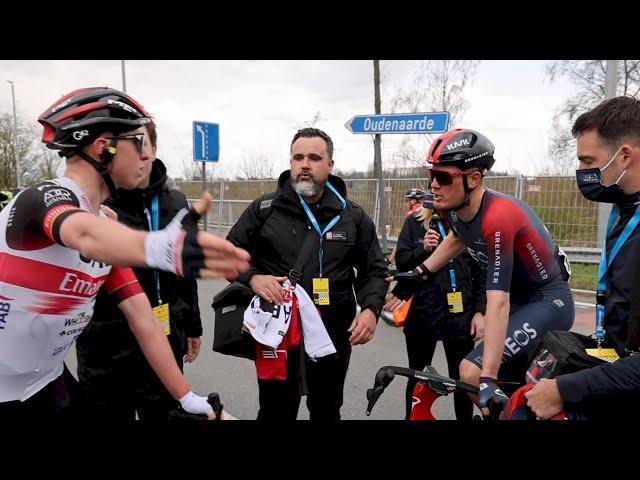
x: 180, y: 293
x: 622, y: 276
x: 512, y: 245
x: 607, y: 391
x: 272, y: 229
x: 429, y: 308
x: 47, y: 291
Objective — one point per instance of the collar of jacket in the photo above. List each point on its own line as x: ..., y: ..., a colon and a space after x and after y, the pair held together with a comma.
x: 628, y: 203
x: 287, y: 199
x: 157, y: 183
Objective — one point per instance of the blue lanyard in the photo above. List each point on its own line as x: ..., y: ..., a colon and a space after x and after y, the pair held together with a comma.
x: 153, y: 226
x: 605, y: 263
x: 452, y: 272
x: 314, y: 222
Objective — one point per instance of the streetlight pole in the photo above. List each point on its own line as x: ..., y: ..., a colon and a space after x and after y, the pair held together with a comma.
x: 15, y: 137
x: 604, y: 209
x: 124, y: 78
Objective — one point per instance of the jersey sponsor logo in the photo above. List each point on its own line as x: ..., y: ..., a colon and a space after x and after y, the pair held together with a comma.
x: 497, y: 253
x: 518, y: 339
x: 72, y: 331
x: 57, y: 195
x: 71, y: 282
x: 230, y: 308
x: 39, y: 276
x: 479, y: 256
x: 5, y: 308
x: 79, y: 320
x: 542, y: 271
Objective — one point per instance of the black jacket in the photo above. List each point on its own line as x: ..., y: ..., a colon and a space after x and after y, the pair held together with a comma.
x: 108, y: 336
x: 608, y: 391
x: 272, y: 230
x: 621, y: 276
x: 429, y: 310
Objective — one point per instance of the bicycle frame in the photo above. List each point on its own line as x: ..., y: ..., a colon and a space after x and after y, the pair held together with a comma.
x: 430, y: 386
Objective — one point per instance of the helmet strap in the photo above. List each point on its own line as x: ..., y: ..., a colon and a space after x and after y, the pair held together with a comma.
x: 467, y: 195
x: 103, y: 168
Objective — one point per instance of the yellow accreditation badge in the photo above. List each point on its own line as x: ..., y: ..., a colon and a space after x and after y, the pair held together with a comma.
x: 454, y: 300
x: 321, y: 291
x: 162, y: 315
x: 606, y: 354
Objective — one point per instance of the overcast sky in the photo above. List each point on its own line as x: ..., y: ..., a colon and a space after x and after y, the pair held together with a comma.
x: 260, y: 104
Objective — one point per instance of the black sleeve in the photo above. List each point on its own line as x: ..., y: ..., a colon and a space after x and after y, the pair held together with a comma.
x: 409, y: 250
x: 371, y: 268
x: 633, y: 322
x: 37, y: 214
x: 243, y: 235
x: 618, y: 380
x: 478, y: 284
x: 188, y: 288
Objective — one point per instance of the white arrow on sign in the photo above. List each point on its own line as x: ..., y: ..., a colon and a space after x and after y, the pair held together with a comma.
x: 201, y: 130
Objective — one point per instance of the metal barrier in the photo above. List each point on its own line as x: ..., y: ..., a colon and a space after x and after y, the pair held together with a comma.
x: 571, y: 219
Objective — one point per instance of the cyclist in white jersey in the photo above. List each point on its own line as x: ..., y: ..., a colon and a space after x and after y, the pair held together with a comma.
x: 57, y: 249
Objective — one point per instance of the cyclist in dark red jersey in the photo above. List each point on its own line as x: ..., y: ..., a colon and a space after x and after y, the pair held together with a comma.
x: 526, y: 273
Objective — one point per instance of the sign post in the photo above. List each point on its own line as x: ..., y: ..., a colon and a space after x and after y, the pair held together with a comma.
x: 206, y: 148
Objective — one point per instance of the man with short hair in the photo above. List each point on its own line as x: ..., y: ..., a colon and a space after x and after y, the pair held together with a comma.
x: 608, y: 150
x: 311, y: 201
x: 526, y: 276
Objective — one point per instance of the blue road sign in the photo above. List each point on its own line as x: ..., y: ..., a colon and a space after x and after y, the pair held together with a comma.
x: 206, y: 142
x: 430, y: 122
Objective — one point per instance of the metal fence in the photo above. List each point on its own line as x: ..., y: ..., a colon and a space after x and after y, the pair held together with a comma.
x: 571, y: 219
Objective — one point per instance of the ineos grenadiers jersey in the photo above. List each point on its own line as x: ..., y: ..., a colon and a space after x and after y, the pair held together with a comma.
x: 512, y: 244
x: 47, y: 291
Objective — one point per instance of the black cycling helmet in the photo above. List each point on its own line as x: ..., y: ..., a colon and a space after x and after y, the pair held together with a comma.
x: 462, y: 148
x: 415, y: 194
x: 79, y: 117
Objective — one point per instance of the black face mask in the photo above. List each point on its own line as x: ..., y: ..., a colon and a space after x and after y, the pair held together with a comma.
x: 590, y: 184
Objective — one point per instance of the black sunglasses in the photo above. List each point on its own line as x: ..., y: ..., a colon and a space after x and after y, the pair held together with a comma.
x: 138, y: 138
x: 445, y: 178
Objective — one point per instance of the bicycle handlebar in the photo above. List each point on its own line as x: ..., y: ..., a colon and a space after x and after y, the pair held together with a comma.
x: 438, y: 383
x: 180, y: 415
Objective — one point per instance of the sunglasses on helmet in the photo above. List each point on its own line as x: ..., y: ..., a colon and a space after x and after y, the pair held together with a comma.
x: 137, y: 138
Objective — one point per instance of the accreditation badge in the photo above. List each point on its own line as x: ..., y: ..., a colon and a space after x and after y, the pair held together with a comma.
x: 321, y: 291
x: 161, y: 313
x: 454, y: 300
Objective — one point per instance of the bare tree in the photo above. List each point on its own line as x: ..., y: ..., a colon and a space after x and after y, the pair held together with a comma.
x: 255, y: 165
x: 438, y: 86
x: 590, y: 78
x: 47, y: 164
x: 317, y: 117
x: 190, y: 170
x: 8, y: 149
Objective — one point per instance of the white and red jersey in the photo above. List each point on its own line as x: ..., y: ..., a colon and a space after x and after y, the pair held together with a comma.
x: 47, y: 291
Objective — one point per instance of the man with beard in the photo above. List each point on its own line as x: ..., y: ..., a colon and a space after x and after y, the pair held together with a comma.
x: 311, y: 201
